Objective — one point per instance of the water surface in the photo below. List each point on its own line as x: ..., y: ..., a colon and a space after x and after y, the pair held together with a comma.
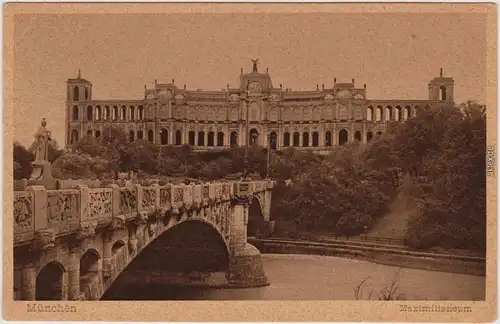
x: 310, y: 277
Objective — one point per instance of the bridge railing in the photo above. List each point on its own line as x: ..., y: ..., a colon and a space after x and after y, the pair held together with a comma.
x: 45, y: 214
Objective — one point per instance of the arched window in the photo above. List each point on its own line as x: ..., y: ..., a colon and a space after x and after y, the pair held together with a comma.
x: 234, y: 139
x: 357, y: 136
x: 397, y: 115
x: 191, y: 136
x: 254, y: 137
x: 97, y: 134
x: 75, y: 112
x: 124, y: 113
x: 286, y: 139
x: 74, y: 136
x: 379, y: 133
x: 107, y: 114
x: 210, y: 139
x: 305, y: 139
x: 89, y: 132
x: 406, y: 113
x: 89, y: 112
x: 140, y: 135
x: 115, y: 113
x: 220, y: 139
x: 141, y: 112
x: 388, y: 113
x: 273, y: 140
x: 89, y: 271
x: 201, y: 138
x: 131, y: 135
x: 328, y: 138
x: 343, y: 137
x: 315, y: 139
x: 76, y: 94
x: 378, y: 113
x: 132, y: 113
x: 150, y: 136
x: 296, y: 139
x: 369, y: 113
x: 442, y: 93
x: 49, y: 282
x: 369, y: 136
x: 86, y: 94
x: 163, y: 136
x: 178, y: 137
x: 98, y: 112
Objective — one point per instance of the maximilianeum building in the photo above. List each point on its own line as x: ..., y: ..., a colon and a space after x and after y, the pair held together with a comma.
x: 316, y: 120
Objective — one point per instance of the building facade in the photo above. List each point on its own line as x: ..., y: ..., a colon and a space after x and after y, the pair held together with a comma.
x: 315, y: 120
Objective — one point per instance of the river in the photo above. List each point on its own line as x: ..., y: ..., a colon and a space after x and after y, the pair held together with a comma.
x: 310, y: 277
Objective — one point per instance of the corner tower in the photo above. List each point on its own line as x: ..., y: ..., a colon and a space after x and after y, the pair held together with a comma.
x: 441, y: 88
x: 78, y: 91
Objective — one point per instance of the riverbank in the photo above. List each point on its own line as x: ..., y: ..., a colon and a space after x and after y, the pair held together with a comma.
x: 386, y: 255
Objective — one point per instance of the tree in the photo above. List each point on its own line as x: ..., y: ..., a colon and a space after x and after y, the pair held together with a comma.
x: 23, y: 159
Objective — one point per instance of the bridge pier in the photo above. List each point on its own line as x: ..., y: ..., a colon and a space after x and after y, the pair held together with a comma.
x: 245, y: 262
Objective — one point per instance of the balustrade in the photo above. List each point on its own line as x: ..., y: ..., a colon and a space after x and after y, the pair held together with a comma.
x: 66, y: 211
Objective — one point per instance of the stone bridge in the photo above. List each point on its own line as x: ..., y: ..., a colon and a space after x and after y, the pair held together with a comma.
x: 73, y: 244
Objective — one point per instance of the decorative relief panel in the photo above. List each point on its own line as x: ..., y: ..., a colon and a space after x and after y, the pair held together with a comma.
x: 221, y: 114
x: 178, y: 194
x: 62, y: 209
x: 211, y: 113
x: 23, y: 214
x: 206, y: 191
x: 165, y: 195
x: 100, y: 203
x: 254, y: 112
x: 343, y: 112
x: 297, y: 114
x: 201, y: 113
x: 358, y: 113
x: 234, y: 113
x: 340, y: 126
x: 274, y: 97
x: 316, y: 113
x: 148, y: 197
x: 307, y: 113
x: 328, y: 112
x: 128, y: 200
x: 287, y: 114
x: 163, y: 113
x: 191, y: 113
x: 179, y: 112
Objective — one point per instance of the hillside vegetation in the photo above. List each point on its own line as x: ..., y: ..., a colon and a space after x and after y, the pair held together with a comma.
x: 425, y: 177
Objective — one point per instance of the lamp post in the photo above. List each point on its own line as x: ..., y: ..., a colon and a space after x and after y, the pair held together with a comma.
x: 159, y: 152
x: 247, y: 101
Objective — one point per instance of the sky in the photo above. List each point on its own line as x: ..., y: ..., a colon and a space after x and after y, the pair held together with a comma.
x: 395, y: 55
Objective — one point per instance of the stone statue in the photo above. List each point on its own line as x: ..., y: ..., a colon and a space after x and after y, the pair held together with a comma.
x: 255, y: 64
x: 42, y: 139
x: 41, y: 166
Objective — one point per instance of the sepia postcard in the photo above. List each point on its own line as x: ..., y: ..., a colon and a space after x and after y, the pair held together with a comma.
x: 250, y: 162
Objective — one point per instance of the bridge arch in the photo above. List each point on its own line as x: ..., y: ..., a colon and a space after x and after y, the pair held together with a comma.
x: 189, y: 248
x: 49, y: 282
x: 255, y: 217
x: 90, y: 272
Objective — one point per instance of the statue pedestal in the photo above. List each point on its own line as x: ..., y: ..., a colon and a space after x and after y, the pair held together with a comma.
x: 42, y: 170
